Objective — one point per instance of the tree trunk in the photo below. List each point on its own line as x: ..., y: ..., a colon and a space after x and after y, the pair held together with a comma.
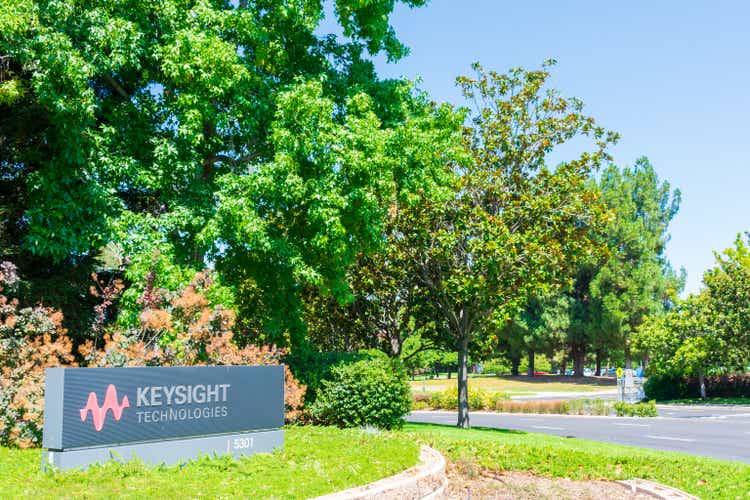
x: 531, y: 363
x: 463, y: 383
x: 514, y: 366
x: 598, y: 363
x: 449, y: 373
x: 564, y: 364
x: 396, y: 345
x: 628, y: 363
x: 579, y: 356
x: 702, y: 384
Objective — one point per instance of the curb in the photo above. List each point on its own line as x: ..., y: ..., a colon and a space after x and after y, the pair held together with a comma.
x: 655, y: 490
x: 425, y: 481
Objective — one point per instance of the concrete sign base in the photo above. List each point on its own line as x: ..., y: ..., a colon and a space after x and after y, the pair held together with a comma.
x: 168, y: 452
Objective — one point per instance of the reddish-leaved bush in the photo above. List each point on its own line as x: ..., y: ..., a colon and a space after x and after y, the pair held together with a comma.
x: 187, y: 332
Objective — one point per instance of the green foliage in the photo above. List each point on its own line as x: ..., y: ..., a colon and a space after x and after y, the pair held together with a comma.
x: 479, y: 399
x: 156, y: 127
x: 662, y: 387
x: 514, y: 225
x: 497, y: 366
x: 636, y: 410
x: 366, y: 393
x: 684, y: 342
x: 728, y: 288
x: 636, y: 280
x: 312, y: 367
x: 705, y: 333
x: 733, y: 387
x: 314, y: 461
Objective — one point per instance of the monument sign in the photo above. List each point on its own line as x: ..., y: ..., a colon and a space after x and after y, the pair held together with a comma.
x: 160, y: 414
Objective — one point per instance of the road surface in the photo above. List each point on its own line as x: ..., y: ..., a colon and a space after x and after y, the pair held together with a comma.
x: 712, y: 431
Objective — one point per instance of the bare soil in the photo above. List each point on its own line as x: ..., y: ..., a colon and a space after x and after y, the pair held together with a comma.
x: 467, y: 481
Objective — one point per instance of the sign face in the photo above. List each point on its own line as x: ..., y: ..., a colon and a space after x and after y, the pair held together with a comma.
x: 88, y: 407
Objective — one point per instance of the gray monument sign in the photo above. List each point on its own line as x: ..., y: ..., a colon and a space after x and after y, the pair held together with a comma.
x: 161, y: 414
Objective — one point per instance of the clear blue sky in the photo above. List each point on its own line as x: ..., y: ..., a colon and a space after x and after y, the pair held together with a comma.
x: 672, y: 77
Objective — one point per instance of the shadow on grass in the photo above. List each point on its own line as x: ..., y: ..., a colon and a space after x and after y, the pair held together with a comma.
x: 418, y: 426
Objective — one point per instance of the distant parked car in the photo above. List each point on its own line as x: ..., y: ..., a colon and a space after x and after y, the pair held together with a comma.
x: 569, y: 372
x: 540, y: 373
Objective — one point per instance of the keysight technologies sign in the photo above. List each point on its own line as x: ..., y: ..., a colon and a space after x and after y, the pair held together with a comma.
x: 161, y: 414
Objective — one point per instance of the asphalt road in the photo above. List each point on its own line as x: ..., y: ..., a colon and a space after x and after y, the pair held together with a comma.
x: 712, y: 431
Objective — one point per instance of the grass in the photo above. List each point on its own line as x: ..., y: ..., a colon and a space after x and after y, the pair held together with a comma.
x: 709, y: 401
x: 518, y: 386
x: 314, y: 461
x: 554, y: 456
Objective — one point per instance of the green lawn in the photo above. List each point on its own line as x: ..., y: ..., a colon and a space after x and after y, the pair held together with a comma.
x: 517, y: 386
x: 554, y: 456
x: 315, y: 461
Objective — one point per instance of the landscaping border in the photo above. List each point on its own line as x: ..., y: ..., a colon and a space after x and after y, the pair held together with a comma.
x: 656, y: 490
x: 425, y: 481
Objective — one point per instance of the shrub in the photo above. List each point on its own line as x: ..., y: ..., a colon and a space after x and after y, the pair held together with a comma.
x: 496, y: 366
x: 421, y: 398
x: 478, y: 399
x: 419, y: 405
x: 556, y: 407
x: 733, y: 385
x: 31, y: 339
x: 636, y: 410
x: 663, y: 387
x: 311, y: 367
x: 369, y: 392
x: 187, y: 332
x: 666, y: 386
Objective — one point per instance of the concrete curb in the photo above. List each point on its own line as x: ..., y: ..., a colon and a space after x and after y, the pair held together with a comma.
x: 425, y: 481
x: 656, y: 490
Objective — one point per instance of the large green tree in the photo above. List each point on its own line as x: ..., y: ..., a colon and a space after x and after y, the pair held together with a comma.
x: 138, y: 126
x: 684, y: 341
x: 514, y: 225
x: 636, y: 280
x: 706, y: 332
x: 728, y: 287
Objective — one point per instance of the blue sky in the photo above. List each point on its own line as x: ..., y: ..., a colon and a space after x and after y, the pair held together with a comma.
x: 672, y: 77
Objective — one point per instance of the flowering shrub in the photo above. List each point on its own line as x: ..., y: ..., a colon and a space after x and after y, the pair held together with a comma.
x: 188, y: 331
x: 122, y: 350
x: 31, y: 339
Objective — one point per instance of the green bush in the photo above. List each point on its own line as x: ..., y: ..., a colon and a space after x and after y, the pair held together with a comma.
x: 369, y: 392
x: 478, y: 399
x: 311, y: 367
x: 497, y: 366
x: 636, y: 410
x: 666, y: 386
x: 419, y: 405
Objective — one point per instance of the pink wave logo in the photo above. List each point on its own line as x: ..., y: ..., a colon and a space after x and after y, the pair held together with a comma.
x: 99, y: 413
